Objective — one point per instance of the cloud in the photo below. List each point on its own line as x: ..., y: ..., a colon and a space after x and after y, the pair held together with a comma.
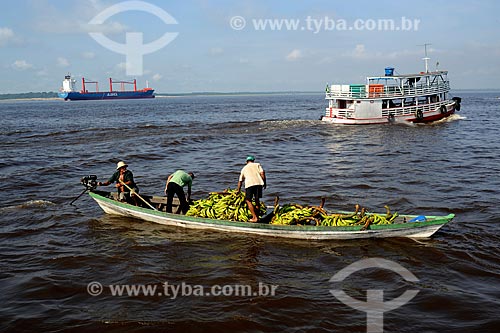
x: 62, y: 62
x: 359, y: 51
x: 106, y: 28
x: 122, y: 66
x: 21, y: 65
x: 42, y: 72
x: 216, y: 51
x: 88, y: 55
x: 294, y: 55
x: 157, y: 77
x: 6, y: 35
x: 72, y: 19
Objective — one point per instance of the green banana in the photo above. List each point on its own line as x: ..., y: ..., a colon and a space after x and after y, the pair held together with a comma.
x: 227, y: 205
x: 231, y: 205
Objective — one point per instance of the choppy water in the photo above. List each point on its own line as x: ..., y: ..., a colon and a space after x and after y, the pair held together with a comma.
x: 50, y: 251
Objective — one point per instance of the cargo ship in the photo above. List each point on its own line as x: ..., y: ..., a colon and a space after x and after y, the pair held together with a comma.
x: 68, y: 91
x: 416, y: 98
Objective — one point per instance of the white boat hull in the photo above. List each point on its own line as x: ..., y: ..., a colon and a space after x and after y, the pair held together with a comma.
x: 427, y: 116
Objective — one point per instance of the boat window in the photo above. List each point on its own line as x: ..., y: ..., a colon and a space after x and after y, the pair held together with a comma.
x: 395, y: 103
x: 409, y: 101
x: 342, y: 103
x: 422, y: 100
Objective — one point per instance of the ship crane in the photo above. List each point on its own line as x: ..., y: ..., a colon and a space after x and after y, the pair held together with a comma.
x: 122, y: 84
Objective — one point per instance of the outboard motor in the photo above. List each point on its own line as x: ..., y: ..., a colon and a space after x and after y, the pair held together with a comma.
x: 90, y: 182
x: 457, y: 101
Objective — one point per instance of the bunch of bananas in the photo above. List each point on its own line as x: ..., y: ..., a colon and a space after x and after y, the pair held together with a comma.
x: 314, y: 215
x: 228, y: 205
x: 297, y: 214
x: 339, y: 220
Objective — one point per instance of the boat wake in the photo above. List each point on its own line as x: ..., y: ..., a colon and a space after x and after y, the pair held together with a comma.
x: 402, y: 123
x: 453, y: 117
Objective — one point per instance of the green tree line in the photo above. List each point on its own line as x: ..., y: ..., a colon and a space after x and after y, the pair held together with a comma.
x: 44, y: 94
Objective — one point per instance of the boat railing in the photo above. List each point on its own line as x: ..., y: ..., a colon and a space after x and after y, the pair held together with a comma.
x: 392, y: 92
x: 406, y: 110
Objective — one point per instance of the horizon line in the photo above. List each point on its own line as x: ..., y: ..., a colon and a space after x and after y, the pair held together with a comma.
x: 239, y: 92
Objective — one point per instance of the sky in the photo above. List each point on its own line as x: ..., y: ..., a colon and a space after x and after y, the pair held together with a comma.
x: 245, y: 46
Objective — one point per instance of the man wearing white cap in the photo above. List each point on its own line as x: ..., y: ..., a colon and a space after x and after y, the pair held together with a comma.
x: 122, y: 175
x: 255, y: 179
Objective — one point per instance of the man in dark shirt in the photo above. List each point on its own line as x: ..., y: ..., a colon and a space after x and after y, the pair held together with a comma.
x: 122, y: 176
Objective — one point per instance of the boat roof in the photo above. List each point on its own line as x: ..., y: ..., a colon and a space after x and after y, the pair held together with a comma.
x: 403, y: 76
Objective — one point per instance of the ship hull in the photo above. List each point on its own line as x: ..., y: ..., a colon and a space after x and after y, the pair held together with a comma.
x: 78, y: 96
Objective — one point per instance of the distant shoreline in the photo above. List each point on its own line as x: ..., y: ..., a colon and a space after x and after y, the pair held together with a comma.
x: 242, y: 93
x: 53, y: 96
x: 30, y: 99
x: 13, y: 97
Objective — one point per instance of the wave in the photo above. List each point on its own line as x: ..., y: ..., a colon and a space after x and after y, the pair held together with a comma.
x: 10, y: 133
x: 29, y: 204
x: 149, y: 126
x: 36, y: 203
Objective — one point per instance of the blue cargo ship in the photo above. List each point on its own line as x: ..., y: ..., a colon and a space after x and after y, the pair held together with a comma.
x: 68, y: 91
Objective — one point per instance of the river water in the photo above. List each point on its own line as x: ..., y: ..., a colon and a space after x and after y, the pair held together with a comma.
x: 51, y: 252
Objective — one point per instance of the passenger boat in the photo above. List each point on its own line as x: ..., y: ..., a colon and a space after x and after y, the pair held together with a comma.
x: 415, y: 98
x: 402, y: 227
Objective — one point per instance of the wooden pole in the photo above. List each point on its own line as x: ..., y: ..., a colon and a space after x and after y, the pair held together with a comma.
x: 135, y: 193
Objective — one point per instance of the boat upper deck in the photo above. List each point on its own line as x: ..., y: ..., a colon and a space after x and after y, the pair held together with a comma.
x: 393, y: 86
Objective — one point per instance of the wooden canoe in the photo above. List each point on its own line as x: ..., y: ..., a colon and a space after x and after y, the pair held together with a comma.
x: 400, y: 228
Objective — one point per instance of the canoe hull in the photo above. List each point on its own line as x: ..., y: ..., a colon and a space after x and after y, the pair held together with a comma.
x: 411, y: 230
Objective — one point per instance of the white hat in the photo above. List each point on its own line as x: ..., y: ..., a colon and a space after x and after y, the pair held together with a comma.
x: 121, y: 164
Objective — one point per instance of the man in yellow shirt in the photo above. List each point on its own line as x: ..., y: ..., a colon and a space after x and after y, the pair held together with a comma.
x: 255, y: 180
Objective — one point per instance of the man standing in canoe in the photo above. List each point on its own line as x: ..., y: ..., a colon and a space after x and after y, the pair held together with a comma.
x: 122, y: 176
x: 255, y: 180
x: 175, y: 184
